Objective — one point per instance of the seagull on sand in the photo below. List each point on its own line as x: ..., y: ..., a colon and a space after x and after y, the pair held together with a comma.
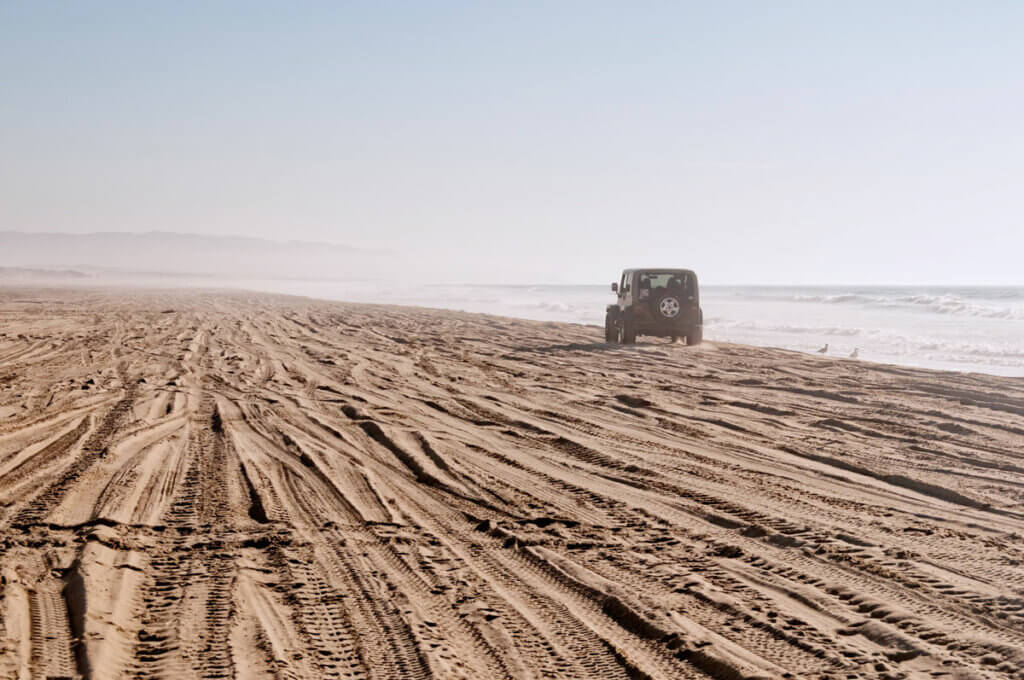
x: 853, y: 355
x: 823, y: 349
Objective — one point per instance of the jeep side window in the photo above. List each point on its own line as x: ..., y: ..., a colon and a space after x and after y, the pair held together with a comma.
x: 624, y: 285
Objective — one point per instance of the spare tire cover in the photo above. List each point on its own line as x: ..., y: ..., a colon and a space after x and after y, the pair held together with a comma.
x: 667, y: 306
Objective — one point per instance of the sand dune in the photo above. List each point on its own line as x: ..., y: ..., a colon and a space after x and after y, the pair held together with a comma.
x: 212, y: 485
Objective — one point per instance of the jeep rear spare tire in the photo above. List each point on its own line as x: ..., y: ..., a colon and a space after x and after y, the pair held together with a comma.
x: 667, y: 306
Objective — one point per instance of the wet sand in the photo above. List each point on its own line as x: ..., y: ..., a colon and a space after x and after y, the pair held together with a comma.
x: 239, y: 485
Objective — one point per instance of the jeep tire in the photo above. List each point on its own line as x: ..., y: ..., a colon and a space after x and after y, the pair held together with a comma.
x: 611, y: 333
x: 627, y: 332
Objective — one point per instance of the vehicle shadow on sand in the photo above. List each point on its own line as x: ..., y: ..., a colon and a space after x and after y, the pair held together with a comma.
x: 591, y: 347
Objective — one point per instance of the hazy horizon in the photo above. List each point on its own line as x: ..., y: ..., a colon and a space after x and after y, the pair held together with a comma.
x: 184, y: 263
x: 176, y: 265
x: 796, y: 144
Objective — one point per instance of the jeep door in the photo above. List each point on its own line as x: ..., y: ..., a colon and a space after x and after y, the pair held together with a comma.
x: 626, y: 290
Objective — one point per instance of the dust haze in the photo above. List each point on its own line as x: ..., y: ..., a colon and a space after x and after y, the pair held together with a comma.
x: 131, y: 257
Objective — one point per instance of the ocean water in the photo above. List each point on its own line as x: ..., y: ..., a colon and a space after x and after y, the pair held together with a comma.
x: 953, y: 328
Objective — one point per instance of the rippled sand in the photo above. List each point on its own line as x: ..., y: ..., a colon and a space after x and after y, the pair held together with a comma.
x: 241, y: 485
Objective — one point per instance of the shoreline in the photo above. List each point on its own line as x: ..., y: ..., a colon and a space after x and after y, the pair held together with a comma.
x: 116, y: 289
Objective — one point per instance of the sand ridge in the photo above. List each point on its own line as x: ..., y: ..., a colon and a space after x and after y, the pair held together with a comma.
x: 238, y: 485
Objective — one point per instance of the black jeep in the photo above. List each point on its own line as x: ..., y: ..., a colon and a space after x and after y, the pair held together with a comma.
x: 662, y: 302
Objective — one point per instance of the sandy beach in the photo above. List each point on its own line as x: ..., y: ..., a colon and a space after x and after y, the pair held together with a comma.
x: 213, y: 485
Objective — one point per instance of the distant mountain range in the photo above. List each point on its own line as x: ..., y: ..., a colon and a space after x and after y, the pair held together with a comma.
x: 179, y: 253
x: 24, y: 273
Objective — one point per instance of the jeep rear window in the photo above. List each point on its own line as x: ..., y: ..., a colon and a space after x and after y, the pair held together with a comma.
x: 662, y: 280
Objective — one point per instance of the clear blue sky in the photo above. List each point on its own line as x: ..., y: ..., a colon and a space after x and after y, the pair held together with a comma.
x: 867, y: 142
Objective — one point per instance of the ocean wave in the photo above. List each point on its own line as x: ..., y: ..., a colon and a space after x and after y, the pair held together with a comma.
x: 729, y: 324
x: 878, y: 344
x: 981, y: 352
x: 937, y: 304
